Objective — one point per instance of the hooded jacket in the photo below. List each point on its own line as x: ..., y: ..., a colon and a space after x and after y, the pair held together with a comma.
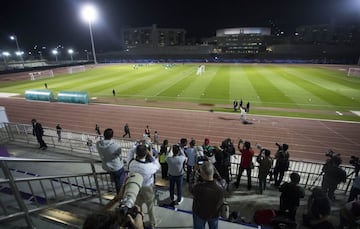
x: 110, y: 154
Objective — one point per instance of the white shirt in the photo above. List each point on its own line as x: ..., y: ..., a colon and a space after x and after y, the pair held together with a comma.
x: 146, y: 169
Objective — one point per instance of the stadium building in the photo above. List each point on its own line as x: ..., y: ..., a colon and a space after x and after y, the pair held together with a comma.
x: 152, y: 36
x: 243, y: 40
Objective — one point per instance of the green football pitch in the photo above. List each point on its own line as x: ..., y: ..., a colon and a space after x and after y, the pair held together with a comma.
x: 309, y: 91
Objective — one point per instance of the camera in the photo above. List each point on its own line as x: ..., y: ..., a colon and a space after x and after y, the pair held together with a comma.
x: 331, y: 154
x: 201, y: 160
x: 259, y: 147
x: 127, y: 203
x: 354, y: 161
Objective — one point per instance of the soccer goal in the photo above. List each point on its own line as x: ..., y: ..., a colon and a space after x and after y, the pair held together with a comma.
x: 75, y: 69
x: 41, y: 74
x: 354, y: 72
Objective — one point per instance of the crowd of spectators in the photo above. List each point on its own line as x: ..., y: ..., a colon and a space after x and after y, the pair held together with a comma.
x: 206, y: 169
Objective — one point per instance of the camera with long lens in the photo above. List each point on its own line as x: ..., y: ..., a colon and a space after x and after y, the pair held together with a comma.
x: 127, y: 203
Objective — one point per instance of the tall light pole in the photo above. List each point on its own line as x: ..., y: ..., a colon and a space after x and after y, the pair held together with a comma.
x: 14, y: 37
x: 70, y: 51
x: 55, y: 52
x: 89, y: 14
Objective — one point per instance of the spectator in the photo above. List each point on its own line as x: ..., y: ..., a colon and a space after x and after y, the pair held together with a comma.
x: 97, y: 130
x: 110, y: 154
x: 281, y: 164
x: 183, y: 146
x: 208, y: 199
x: 199, y: 152
x: 208, y: 150
x: 176, y: 172
x: 191, y: 159
x: 290, y: 196
x: 58, y: 131
x: 38, y: 131
x: 355, y: 189
x: 333, y: 175
x: 90, y: 145
x: 221, y: 165
x: 164, y: 151
x: 350, y: 215
x: 246, y: 163
x: 126, y: 130
x: 265, y: 163
x: 156, y: 140
x: 318, y: 211
x: 147, y: 131
x: 147, y: 166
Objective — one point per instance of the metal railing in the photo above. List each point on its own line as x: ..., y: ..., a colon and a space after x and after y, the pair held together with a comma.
x: 24, y: 193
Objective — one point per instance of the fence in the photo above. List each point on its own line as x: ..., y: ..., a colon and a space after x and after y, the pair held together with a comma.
x: 30, y: 193
x: 310, y: 172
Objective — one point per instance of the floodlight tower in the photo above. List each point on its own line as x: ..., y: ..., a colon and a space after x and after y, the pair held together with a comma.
x: 14, y: 38
x: 70, y: 51
x: 5, y: 55
x: 89, y: 14
x: 55, y: 52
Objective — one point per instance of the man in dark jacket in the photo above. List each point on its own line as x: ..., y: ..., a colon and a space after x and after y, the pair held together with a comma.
x: 38, y: 131
x: 290, y: 196
x: 333, y: 175
x: 205, y: 211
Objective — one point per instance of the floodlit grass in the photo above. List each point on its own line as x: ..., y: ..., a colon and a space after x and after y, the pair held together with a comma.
x: 318, y: 90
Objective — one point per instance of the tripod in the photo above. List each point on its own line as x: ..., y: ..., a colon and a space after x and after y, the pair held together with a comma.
x: 314, y: 182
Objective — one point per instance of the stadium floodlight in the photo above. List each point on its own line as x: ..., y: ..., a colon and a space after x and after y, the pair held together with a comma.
x: 14, y: 38
x: 5, y: 55
x: 71, y: 52
x: 89, y: 14
x: 55, y: 52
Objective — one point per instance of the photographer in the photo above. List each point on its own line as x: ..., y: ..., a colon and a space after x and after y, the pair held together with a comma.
x: 333, y: 175
x: 282, y: 163
x: 265, y: 164
x: 246, y: 162
x: 208, y: 198
x: 127, y: 215
x: 147, y: 166
x: 318, y: 211
x: 222, y: 157
x: 355, y: 189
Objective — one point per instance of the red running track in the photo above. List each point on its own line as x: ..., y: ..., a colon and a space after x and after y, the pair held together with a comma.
x: 307, y: 139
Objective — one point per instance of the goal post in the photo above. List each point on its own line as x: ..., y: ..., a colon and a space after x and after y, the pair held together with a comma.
x: 75, y: 69
x: 41, y: 74
x: 354, y: 72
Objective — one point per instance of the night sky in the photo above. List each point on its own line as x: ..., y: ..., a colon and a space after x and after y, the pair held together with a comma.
x: 58, y: 22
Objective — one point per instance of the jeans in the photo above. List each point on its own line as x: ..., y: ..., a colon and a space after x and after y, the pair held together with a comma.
x: 178, y: 181
x: 248, y: 173
x: 118, y: 177
x: 199, y: 223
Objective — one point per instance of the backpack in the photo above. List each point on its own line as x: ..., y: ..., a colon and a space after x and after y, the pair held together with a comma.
x: 264, y: 216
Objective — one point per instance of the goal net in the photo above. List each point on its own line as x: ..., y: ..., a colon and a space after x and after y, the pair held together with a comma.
x: 75, y: 69
x: 354, y: 72
x: 41, y: 74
